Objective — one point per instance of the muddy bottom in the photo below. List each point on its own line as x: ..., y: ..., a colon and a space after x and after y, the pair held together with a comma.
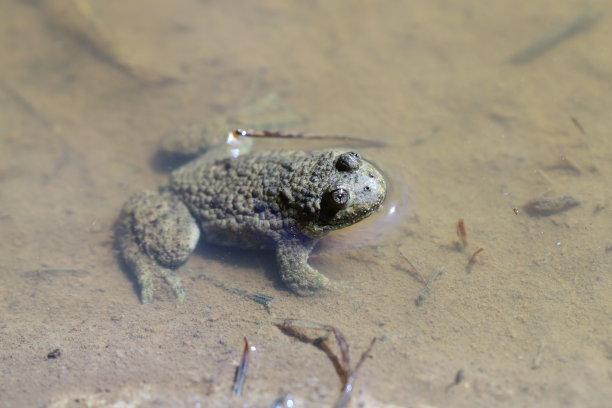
x: 512, y: 309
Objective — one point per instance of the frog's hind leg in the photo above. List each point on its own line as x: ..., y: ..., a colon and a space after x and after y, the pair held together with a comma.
x: 156, y: 234
x: 146, y: 270
x: 301, y: 278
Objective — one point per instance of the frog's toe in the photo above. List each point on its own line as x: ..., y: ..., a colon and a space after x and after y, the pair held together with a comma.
x: 301, y: 278
x: 175, y: 284
x: 145, y: 282
x: 306, y: 281
x: 153, y: 279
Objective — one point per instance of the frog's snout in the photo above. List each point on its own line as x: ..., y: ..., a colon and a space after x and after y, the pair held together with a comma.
x: 372, y: 194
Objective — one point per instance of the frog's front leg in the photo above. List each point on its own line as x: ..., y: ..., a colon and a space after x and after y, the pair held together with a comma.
x: 156, y: 234
x: 292, y: 257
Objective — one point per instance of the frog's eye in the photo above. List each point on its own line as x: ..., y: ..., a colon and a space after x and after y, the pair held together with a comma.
x: 349, y: 161
x: 338, y: 198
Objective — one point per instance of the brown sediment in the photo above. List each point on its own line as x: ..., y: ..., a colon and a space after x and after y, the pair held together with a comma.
x: 77, y: 18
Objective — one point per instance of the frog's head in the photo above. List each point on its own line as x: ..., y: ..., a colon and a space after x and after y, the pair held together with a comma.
x: 356, y: 189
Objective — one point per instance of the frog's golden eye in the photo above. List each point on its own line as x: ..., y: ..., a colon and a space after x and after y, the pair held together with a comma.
x: 338, y: 198
x: 349, y: 161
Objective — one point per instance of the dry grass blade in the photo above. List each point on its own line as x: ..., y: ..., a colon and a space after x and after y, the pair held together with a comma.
x: 236, y: 133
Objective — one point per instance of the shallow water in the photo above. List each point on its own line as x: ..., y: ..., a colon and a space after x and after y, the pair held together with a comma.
x: 468, y: 136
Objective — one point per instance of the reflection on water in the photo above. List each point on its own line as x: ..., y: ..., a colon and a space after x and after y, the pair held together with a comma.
x: 88, y: 87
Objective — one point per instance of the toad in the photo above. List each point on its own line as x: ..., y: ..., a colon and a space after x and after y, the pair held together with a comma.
x: 280, y: 200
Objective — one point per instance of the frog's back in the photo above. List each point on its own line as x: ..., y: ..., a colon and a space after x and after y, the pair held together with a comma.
x: 253, y: 200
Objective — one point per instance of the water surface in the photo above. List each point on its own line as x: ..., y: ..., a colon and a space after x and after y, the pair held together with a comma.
x: 85, y: 98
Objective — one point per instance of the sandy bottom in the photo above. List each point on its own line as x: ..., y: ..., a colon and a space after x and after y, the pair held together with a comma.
x: 525, y: 322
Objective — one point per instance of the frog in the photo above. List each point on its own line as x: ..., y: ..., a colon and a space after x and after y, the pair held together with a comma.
x: 280, y: 200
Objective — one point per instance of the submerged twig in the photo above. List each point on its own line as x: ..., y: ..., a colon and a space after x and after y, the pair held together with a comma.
x: 256, y: 297
x: 472, y: 260
x: 551, y: 38
x: 578, y: 125
x: 242, y: 368
x: 345, y: 395
x: 458, y: 379
x: 346, y: 373
x: 413, y: 270
x: 26, y: 105
x: 419, y: 300
x: 260, y: 298
x: 462, y: 233
x: 236, y: 133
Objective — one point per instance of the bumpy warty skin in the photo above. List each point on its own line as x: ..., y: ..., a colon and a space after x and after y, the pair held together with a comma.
x: 255, y: 201
x: 285, y: 200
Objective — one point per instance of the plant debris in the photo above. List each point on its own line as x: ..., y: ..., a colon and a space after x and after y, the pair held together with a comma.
x: 458, y: 379
x: 343, y: 365
x: 256, y: 297
x: 242, y: 368
x: 419, y: 300
x: 237, y: 133
x: 472, y: 260
x: 462, y: 233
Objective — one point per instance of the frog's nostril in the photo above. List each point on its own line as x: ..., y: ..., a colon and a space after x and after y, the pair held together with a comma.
x: 366, y: 188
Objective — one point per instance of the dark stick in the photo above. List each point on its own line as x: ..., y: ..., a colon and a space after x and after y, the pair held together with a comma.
x: 242, y: 368
x: 236, y: 133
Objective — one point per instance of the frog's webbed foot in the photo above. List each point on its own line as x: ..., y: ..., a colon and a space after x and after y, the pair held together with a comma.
x: 301, y: 278
x: 156, y: 234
